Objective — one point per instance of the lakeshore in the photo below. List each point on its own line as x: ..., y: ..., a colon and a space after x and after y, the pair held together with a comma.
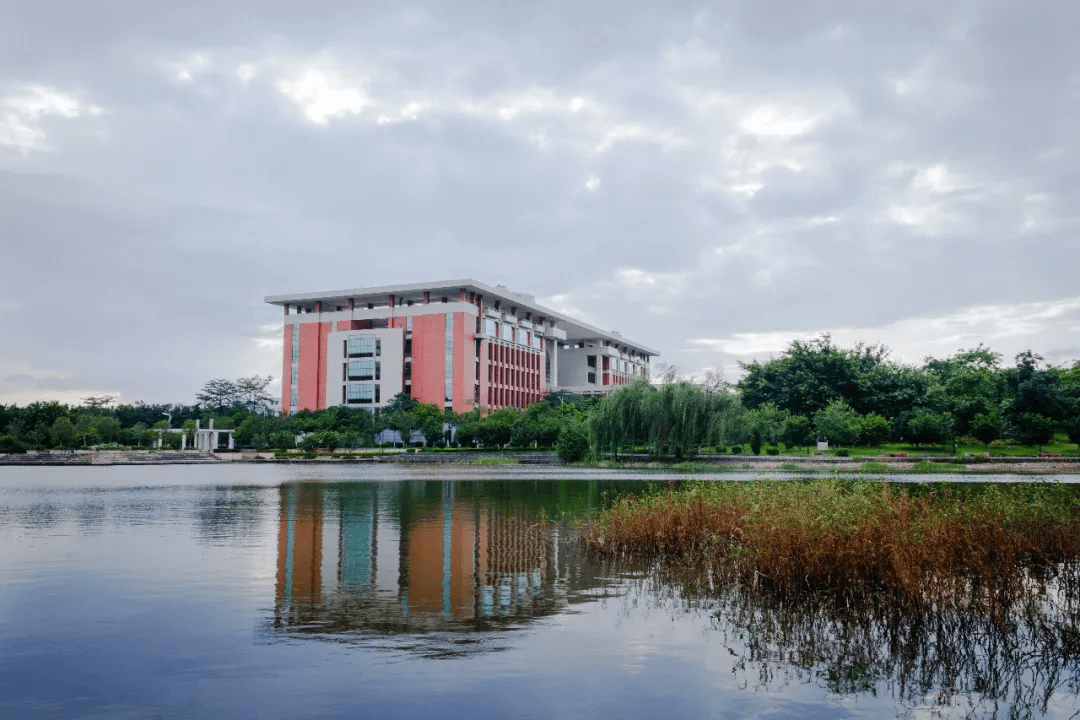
x: 705, y: 464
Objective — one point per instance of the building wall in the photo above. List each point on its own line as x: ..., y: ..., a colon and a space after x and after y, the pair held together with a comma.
x: 286, y: 368
x: 464, y: 362
x: 391, y: 362
x: 429, y: 358
x: 312, y: 387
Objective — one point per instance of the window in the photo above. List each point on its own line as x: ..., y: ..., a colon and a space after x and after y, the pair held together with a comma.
x: 360, y: 392
x: 590, y: 360
x: 592, y: 378
x: 536, y: 340
x: 361, y: 345
x: 522, y: 337
x: 507, y: 332
x: 361, y: 369
x: 491, y: 327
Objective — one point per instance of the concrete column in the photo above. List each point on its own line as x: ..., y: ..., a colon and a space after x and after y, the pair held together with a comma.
x: 232, y: 443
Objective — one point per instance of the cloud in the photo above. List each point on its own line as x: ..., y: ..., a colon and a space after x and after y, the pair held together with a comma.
x: 22, y: 115
x: 740, y: 175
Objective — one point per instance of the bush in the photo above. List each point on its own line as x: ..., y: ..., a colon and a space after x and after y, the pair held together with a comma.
x: 9, y: 444
x: 573, y: 443
x: 736, y: 450
x: 772, y: 450
x: 843, y: 452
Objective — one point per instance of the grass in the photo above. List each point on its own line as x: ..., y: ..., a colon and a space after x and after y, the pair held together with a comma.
x: 492, y: 461
x: 950, y: 546
x: 1060, y: 446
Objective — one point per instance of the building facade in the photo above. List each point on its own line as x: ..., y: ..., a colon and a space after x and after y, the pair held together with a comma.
x: 458, y: 344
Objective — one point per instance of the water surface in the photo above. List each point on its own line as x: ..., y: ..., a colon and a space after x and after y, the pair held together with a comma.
x: 394, y: 591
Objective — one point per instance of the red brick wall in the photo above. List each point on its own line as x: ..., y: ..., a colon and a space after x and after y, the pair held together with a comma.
x: 429, y: 359
x: 312, y: 371
x: 464, y: 365
x: 286, y: 372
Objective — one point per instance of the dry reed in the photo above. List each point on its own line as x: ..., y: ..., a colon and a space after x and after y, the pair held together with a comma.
x: 948, y: 547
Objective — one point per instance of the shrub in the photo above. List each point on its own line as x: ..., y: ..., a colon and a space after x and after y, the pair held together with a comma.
x: 9, y: 444
x: 843, y: 452
x: 772, y: 450
x: 736, y: 450
x: 573, y: 443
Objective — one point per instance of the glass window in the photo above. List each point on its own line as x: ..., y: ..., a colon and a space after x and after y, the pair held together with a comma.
x: 507, y: 332
x: 491, y: 327
x: 522, y: 336
x: 592, y: 378
x: 536, y: 340
x: 361, y: 345
x: 361, y: 369
x: 360, y: 392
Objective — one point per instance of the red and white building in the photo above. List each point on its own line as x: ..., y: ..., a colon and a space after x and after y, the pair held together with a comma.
x: 458, y: 344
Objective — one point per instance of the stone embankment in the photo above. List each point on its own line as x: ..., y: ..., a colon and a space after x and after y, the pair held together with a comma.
x: 107, y: 457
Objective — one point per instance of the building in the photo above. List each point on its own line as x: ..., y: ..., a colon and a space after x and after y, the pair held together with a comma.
x: 457, y: 344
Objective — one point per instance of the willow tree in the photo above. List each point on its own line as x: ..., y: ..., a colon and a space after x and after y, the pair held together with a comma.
x: 674, y: 418
x: 622, y: 419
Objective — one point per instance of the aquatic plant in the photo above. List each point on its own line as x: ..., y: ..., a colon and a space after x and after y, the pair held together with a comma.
x: 948, y: 546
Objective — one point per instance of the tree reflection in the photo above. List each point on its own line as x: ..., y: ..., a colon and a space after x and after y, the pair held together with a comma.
x: 964, y: 663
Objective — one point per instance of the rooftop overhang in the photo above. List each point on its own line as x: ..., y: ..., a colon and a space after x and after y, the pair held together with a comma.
x: 574, y: 329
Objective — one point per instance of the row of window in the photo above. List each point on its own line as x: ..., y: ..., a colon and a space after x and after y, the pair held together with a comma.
x: 362, y: 369
x: 361, y: 393
x: 363, y: 345
x: 509, y: 333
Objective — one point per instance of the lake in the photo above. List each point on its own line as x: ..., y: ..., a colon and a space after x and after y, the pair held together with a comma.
x: 394, y: 591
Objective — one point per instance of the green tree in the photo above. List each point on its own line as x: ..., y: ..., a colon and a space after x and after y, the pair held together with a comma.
x: 808, y: 376
x: 63, y: 432
x: 107, y: 428
x: 797, y: 431
x: 968, y: 384
x: 429, y: 420
x: 873, y: 430
x: 927, y: 428
x: 986, y: 427
x: 1072, y: 427
x: 1034, y: 429
x: 838, y: 423
x: 573, y: 443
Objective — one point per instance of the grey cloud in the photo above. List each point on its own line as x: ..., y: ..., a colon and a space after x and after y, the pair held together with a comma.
x: 173, y: 212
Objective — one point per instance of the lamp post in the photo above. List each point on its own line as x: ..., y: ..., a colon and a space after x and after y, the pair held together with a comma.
x: 161, y: 436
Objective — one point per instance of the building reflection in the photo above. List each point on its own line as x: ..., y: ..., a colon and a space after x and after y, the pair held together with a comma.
x: 417, y: 556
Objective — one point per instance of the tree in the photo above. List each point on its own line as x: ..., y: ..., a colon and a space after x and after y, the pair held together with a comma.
x: 63, y: 432
x: 927, y: 428
x: 808, y: 376
x: 838, y: 423
x: 429, y: 420
x: 873, y: 430
x: 248, y: 394
x: 1072, y: 427
x: 797, y: 431
x: 107, y: 428
x: 968, y: 384
x: 986, y: 427
x: 1034, y: 429
x: 573, y: 443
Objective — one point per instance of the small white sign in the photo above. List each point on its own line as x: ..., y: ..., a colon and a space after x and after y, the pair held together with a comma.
x: 823, y: 445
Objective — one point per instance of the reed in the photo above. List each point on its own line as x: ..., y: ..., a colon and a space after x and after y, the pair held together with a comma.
x: 947, y: 546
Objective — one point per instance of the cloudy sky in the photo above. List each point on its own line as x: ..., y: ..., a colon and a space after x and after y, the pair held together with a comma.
x: 712, y: 180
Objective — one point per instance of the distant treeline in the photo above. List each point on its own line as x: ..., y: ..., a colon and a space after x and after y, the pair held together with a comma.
x: 812, y: 391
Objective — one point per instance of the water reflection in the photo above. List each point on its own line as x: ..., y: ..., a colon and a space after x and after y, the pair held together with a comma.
x: 418, y: 557
x: 951, y: 664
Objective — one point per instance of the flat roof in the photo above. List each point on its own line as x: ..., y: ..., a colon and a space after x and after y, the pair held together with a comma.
x: 574, y: 329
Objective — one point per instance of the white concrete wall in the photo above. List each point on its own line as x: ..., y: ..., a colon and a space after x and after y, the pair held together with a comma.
x: 391, y: 380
